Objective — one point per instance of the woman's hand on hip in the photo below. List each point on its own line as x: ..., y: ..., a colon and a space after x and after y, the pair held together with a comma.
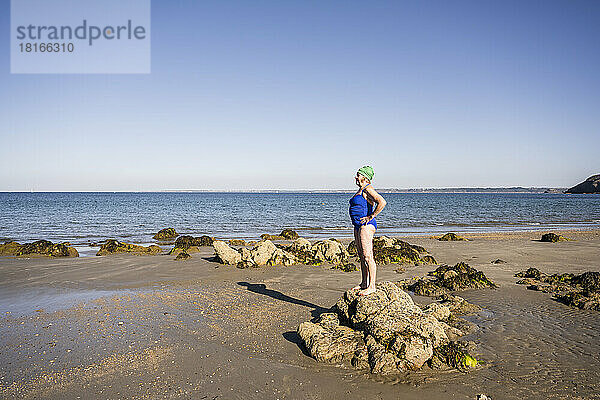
x: 365, y: 220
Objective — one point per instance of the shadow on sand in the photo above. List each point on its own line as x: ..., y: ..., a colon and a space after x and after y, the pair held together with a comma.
x: 290, y: 336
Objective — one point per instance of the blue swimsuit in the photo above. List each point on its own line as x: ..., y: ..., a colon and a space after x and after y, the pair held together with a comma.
x: 359, y: 208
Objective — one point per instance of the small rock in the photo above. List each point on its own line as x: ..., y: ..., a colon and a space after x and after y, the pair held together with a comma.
x: 452, y: 237
x: 553, y: 238
x: 166, y: 234
x: 182, y: 256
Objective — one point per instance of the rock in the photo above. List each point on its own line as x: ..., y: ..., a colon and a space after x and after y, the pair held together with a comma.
x: 166, y: 234
x: 40, y: 248
x: 348, y: 267
x: 300, y: 244
x: 533, y: 273
x: 384, y: 331
x: 458, y: 306
x: 286, y: 234
x: 237, y: 242
x: 262, y: 252
x: 328, y: 341
x: 303, y: 252
x: 396, y: 251
x: 289, y: 234
x: 402, y: 336
x: 352, y: 248
x: 590, y: 185
x: 330, y: 251
x: 581, y: 291
x: 428, y: 259
x: 281, y: 257
x: 185, y: 242
x: 190, y: 244
x: 498, y: 261
x: 527, y: 281
x: 446, y: 279
x: 246, y: 259
x: 437, y: 311
x: 452, y: 237
x: 226, y: 254
x: 266, y: 236
x: 454, y: 354
x: 10, y: 249
x: 182, y: 256
x: 112, y: 246
x: 176, y: 250
x: 383, y: 241
x: 552, y: 238
x: 583, y: 300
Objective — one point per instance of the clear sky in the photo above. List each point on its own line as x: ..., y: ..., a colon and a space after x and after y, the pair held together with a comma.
x: 300, y: 94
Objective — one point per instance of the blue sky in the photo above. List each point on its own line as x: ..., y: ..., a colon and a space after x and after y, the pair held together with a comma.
x: 298, y: 95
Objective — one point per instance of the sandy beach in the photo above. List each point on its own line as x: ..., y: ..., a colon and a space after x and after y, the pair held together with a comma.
x: 149, y: 327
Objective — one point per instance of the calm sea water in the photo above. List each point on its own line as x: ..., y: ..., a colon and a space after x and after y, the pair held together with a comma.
x: 83, y: 217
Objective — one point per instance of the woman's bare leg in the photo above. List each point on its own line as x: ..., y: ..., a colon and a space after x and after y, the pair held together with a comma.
x: 366, y: 240
x: 364, y: 269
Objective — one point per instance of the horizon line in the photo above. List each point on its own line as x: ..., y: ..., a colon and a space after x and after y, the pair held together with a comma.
x: 462, y: 188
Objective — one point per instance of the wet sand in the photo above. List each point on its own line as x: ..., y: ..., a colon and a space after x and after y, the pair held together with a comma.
x: 150, y: 327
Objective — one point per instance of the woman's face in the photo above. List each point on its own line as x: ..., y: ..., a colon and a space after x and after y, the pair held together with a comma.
x: 360, y: 180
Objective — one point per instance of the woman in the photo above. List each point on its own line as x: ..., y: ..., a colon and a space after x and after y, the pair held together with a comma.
x: 363, y: 219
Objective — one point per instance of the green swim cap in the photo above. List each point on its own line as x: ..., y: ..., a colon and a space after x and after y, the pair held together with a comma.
x: 367, y: 172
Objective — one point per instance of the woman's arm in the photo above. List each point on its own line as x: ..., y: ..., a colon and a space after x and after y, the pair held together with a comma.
x: 377, y: 198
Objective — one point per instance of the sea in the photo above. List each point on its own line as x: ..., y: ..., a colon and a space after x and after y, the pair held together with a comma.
x: 82, y: 218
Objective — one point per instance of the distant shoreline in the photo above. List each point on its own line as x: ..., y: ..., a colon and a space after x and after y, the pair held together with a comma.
x: 543, y: 190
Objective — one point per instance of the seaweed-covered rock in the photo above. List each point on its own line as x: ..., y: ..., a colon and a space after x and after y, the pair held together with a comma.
x: 429, y: 259
x: 237, y: 242
x: 165, y: 234
x: 446, y: 279
x: 552, y: 238
x: 452, y: 237
x: 533, y: 273
x: 286, y: 234
x: 190, y: 244
x: 348, y: 267
x: 584, y: 300
x: 226, y: 254
x: 289, y: 234
x: 351, y: 249
x: 10, y: 249
x: 498, y: 261
x: 182, y: 256
x: 186, y: 241
x: 388, y: 250
x: 40, y: 248
x: 384, y: 331
x: 454, y: 354
x: 112, y: 246
x: 581, y: 291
